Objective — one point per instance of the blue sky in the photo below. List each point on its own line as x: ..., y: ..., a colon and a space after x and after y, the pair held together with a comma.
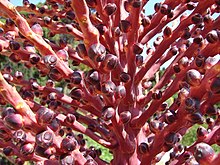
x: 150, y: 4
x: 19, y: 2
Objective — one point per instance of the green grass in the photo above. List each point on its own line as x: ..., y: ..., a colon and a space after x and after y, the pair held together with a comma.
x: 105, y: 152
x: 190, y: 137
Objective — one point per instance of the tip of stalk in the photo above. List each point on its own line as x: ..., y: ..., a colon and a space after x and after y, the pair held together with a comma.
x: 20, y: 105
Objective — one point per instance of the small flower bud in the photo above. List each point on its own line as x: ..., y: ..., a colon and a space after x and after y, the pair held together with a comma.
x: 108, y: 113
x: 156, y: 126
x: 9, y: 22
x: 215, y: 85
x: 44, y: 139
x: 125, y: 117
x: 50, y: 60
x: 120, y: 92
x: 44, y: 116
x: 50, y: 83
x: 146, y: 84
x: 138, y: 48
x: 15, y: 58
x: 102, y: 29
x: 70, y: 119
x: 93, y: 77
x: 110, y: 9
x: 125, y: 77
x: 186, y: 35
x: 143, y: 148
x: 137, y: 3
x: 67, y: 160
x: 55, y: 75
x: 196, y: 118
x: 108, y: 88
x: 91, y: 161
x: 63, y: 55
x: 165, y: 9
x: 7, y: 111
x: 145, y: 21
x: 169, y: 117
x: 36, y: 28
x: 97, y: 52
x: 76, y: 78
x: 81, y: 50
x: 110, y: 62
x: 13, y: 45
x: 157, y: 7
x: 211, y: 122
x: 171, y: 138
x: 200, y: 61
x: 157, y: 95
x: 167, y: 32
x: 26, y: 2
x: 176, y: 68
x: 197, y: 18
x: 198, y: 39
x: 68, y: 144
x: 125, y: 26
x: 34, y: 58
x: 19, y: 136
x: 212, y: 37
x: 47, y: 20
x: 91, y: 3
x: 76, y: 94
x: 201, y: 133
x: 139, y: 60
x: 70, y: 15
x: 191, y: 6
x: 207, y: 19
x: 92, y: 127
x: 183, y: 63
x: 211, y: 110
x: 27, y: 149
x: 193, y: 77
x: 204, y: 153
x: 8, y: 151
x: 14, y: 121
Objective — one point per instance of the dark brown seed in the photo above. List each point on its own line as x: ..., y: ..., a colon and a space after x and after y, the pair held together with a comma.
x: 138, y: 48
x: 76, y: 94
x: 14, y: 45
x: 165, y: 9
x: 125, y: 26
x: 157, y: 7
x: 143, y: 148
x: 14, y: 121
x: 125, y: 117
x: 137, y: 3
x: 198, y: 39
x: 193, y: 77
x: 190, y: 6
x: 212, y: 37
x: 146, y: 21
x: 167, y: 32
x: 125, y: 77
x: 197, y: 19
x: 108, y: 113
x: 97, y: 52
x: 215, y: 85
x: 204, y: 153
x: 110, y: 8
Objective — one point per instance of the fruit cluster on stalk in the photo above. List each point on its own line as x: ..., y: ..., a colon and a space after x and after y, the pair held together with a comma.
x: 123, y: 100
